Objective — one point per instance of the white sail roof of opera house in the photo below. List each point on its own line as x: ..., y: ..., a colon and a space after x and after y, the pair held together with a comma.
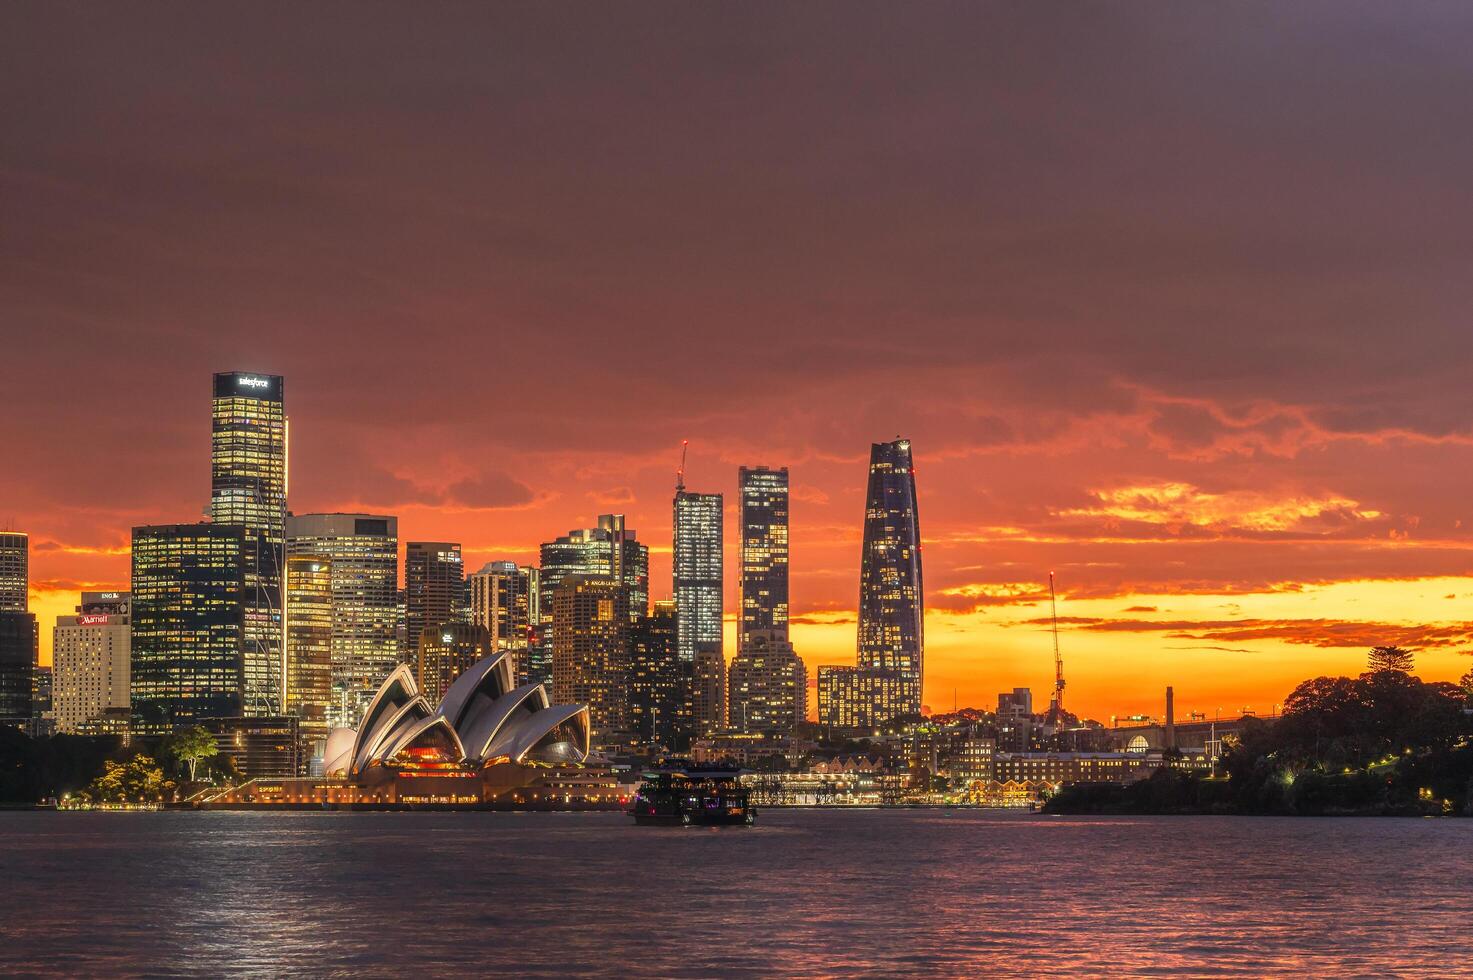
x: 481, y: 720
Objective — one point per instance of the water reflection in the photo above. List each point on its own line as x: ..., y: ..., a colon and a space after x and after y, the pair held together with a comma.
x: 803, y: 893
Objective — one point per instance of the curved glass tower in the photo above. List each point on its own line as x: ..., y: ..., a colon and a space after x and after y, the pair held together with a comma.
x: 890, y: 595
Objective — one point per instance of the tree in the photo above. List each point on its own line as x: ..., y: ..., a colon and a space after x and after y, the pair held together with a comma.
x: 136, y: 780
x: 1466, y: 683
x: 192, y: 745
x: 1389, y: 658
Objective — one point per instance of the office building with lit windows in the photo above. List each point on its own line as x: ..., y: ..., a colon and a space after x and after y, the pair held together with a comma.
x: 767, y: 687
x: 188, y: 587
x: 434, y: 582
x: 248, y: 474
x: 14, y: 571
x: 309, y: 628
x: 697, y: 572
x: 661, y: 710
x: 763, y: 517
x: 362, y: 553
x: 445, y: 651
x: 891, y: 610
x: 89, y: 661
x: 590, y: 650
x: 506, y: 598
x: 610, y: 550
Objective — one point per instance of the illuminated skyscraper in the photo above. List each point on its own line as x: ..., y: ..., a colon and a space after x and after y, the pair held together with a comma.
x: 89, y: 656
x: 444, y: 652
x: 188, y: 620
x: 14, y: 571
x: 507, y: 600
x: 697, y: 567
x: 248, y: 489
x: 590, y: 650
x: 767, y: 688
x: 309, y: 613
x: 764, y: 575
x: 608, y: 551
x: 434, y: 580
x: 891, y: 611
x: 362, y: 552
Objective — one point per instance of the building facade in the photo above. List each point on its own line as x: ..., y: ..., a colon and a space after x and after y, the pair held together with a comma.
x: 697, y: 586
x: 767, y: 687
x: 434, y: 580
x: 590, y: 651
x: 611, y: 550
x: 248, y: 469
x: 697, y: 572
x: 891, y: 606
x: 188, y: 619
x: 362, y: 553
x: 17, y: 668
x: 309, y: 689
x: 90, y: 654
x: 260, y: 748
x: 764, y: 552
x: 858, y: 700
x: 445, y: 651
x: 506, y: 598
x: 14, y: 571
x: 661, y: 711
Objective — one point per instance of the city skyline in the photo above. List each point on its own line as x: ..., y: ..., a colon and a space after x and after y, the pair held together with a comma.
x: 1146, y: 328
x: 1105, y: 704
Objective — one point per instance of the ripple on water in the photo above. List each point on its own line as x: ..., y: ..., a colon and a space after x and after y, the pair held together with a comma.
x: 804, y: 892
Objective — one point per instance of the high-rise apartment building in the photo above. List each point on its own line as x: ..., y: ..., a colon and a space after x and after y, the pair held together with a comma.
x: 309, y: 633
x: 697, y: 571
x: 434, y: 580
x: 590, y: 650
x: 90, y: 661
x: 891, y: 612
x: 764, y: 552
x: 506, y: 599
x: 660, y: 682
x: 767, y: 686
x: 188, y: 586
x: 362, y: 553
x: 248, y: 472
x: 444, y: 652
x: 609, y: 550
x: 14, y: 571
x: 859, y: 700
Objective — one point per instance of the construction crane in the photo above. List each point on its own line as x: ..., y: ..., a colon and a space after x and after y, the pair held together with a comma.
x: 1056, y: 707
x: 680, y: 473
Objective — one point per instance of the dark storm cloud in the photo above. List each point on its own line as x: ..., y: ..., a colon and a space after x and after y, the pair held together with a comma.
x: 1244, y: 201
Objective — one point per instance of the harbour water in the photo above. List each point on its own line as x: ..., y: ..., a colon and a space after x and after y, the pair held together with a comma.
x: 828, y: 892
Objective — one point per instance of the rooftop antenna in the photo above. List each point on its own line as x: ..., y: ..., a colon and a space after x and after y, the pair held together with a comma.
x: 1056, y: 709
x: 680, y: 473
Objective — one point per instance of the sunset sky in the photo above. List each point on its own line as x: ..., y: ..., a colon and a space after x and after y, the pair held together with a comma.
x: 1172, y: 299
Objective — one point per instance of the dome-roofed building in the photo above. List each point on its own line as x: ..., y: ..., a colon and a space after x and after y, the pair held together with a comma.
x: 485, y: 739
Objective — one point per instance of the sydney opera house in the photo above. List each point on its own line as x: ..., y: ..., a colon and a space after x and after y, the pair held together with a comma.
x: 487, y: 742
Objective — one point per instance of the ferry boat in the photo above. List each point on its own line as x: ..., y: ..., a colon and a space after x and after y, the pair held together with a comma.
x: 681, y: 793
